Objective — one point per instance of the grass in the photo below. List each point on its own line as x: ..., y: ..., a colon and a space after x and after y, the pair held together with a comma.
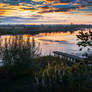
x: 51, y: 74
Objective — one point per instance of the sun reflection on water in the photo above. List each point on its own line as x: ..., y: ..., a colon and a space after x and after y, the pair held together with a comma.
x: 49, y: 42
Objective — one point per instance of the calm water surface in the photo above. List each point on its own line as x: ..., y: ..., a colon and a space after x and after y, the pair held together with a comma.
x: 55, y: 41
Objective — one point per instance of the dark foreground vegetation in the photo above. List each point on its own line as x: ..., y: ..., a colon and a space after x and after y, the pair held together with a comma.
x: 24, y: 70
x: 85, y: 40
x: 35, y: 29
x: 55, y: 76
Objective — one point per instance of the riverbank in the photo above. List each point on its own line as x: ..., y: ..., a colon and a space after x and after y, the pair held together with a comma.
x: 35, y: 29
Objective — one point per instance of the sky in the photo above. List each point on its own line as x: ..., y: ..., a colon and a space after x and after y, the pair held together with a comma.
x: 45, y: 12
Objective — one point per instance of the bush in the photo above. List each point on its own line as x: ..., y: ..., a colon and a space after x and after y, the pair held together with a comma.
x: 17, y: 55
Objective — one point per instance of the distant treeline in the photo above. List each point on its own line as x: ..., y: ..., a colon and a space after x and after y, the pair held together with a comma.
x: 33, y: 29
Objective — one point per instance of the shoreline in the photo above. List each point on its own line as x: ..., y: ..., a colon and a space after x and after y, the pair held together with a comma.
x: 35, y: 29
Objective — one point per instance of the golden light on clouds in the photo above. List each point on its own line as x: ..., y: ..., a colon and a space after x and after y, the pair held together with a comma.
x: 55, y: 13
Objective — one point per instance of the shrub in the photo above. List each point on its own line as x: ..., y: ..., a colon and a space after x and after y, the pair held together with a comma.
x: 17, y: 55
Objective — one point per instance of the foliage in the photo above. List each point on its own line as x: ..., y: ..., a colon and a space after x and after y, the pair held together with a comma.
x: 17, y: 55
x: 85, y: 40
x: 59, y: 76
x: 54, y: 76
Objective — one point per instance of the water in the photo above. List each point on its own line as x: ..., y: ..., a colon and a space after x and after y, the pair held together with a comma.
x: 54, y: 41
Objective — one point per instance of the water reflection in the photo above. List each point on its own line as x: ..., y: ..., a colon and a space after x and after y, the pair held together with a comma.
x: 14, y: 50
x: 54, y: 41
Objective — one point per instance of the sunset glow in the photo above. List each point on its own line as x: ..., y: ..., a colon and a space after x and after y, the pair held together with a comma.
x: 45, y: 12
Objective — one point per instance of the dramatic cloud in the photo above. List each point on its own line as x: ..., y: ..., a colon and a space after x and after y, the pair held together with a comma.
x: 45, y: 11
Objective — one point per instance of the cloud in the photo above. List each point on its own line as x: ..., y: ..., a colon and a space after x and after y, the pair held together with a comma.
x: 38, y: 11
x: 15, y: 19
x: 48, y: 6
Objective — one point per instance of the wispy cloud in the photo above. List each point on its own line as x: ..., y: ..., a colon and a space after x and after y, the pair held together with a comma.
x: 45, y: 11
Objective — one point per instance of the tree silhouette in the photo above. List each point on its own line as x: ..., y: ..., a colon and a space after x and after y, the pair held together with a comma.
x: 85, y: 40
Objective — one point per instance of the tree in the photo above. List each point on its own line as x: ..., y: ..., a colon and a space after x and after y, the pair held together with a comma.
x: 85, y: 40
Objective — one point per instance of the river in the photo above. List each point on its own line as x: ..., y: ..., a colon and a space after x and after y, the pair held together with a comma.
x: 54, y: 41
